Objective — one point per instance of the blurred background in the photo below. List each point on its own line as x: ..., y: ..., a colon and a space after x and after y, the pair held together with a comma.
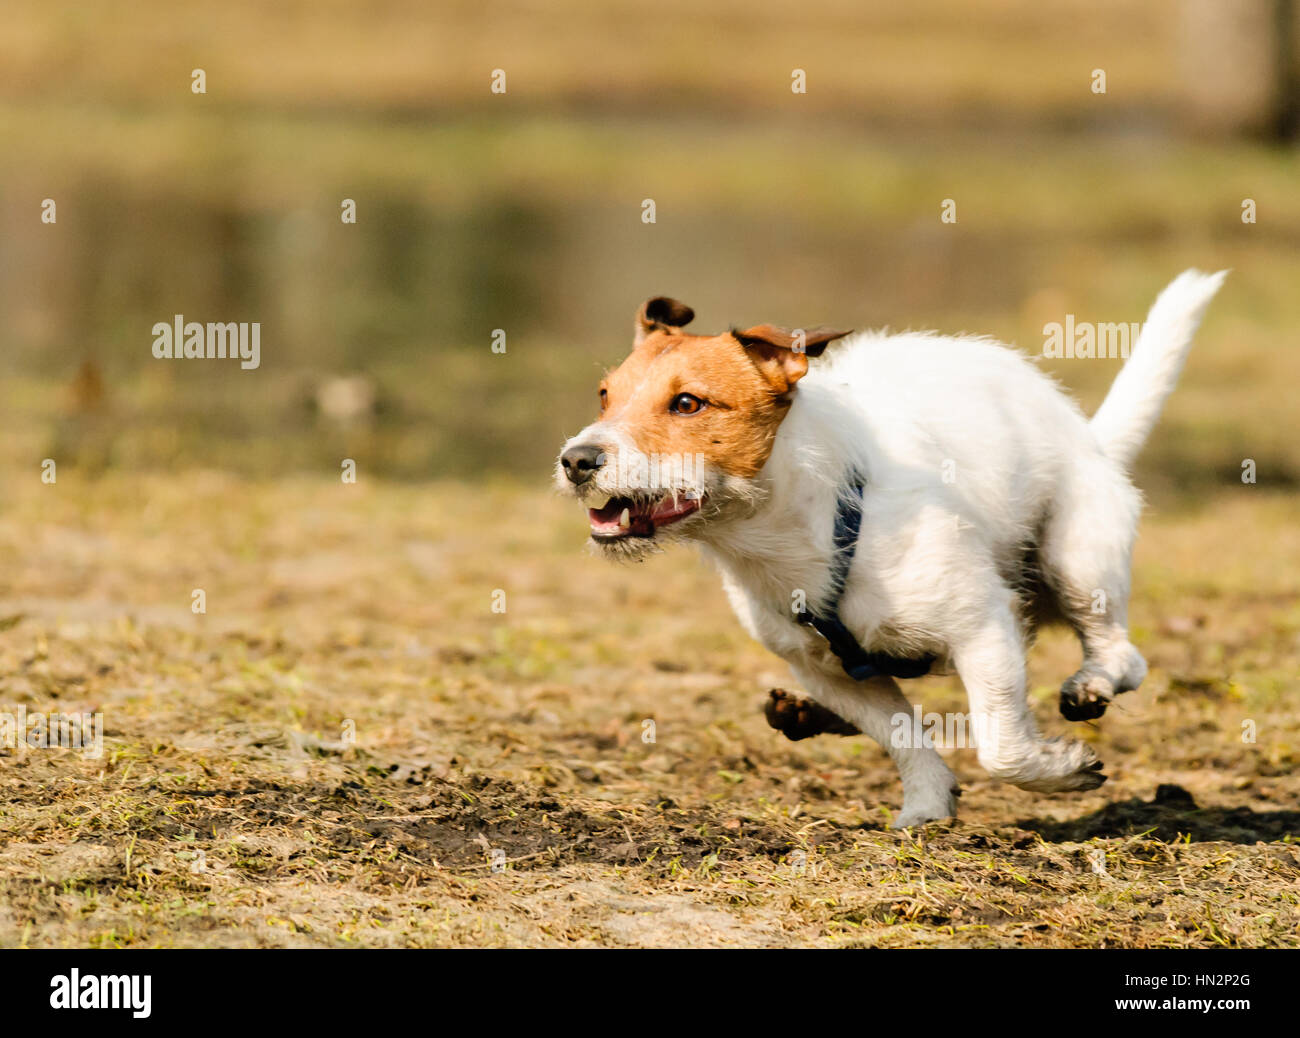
x: 522, y: 210
x: 330, y: 611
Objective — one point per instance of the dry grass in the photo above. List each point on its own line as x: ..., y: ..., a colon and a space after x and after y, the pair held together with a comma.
x: 229, y: 808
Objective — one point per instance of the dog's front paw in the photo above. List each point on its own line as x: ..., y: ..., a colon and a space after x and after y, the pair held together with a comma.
x: 915, y: 812
x: 931, y: 800
x: 797, y: 718
x: 918, y: 816
x: 923, y: 814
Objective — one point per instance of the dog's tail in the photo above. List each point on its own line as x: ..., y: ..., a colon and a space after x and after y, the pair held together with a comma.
x: 1129, y: 412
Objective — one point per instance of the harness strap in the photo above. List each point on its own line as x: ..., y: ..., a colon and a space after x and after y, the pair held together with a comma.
x: 858, y: 663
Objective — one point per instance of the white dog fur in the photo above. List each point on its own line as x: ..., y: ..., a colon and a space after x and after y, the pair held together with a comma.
x: 974, y: 461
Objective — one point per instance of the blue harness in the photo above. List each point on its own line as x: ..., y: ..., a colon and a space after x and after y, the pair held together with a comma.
x: 858, y: 663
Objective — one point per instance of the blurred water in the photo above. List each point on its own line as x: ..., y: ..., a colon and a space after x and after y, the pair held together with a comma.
x: 408, y: 298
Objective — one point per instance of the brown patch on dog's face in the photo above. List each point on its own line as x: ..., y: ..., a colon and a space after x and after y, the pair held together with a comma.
x: 686, y: 423
x: 681, y: 395
x: 721, y: 397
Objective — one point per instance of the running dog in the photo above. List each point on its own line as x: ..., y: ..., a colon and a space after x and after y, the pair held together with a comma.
x: 894, y: 504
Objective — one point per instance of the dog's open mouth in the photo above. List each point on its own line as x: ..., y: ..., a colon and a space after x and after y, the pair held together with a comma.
x: 623, y: 517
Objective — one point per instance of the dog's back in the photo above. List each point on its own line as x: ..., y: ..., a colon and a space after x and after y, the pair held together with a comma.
x: 969, y: 425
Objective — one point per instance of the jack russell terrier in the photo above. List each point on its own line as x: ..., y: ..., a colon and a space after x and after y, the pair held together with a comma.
x: 905, y: 502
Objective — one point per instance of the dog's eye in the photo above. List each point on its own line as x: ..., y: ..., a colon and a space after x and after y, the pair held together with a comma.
x: 604, y: 399
x: 684, y: 403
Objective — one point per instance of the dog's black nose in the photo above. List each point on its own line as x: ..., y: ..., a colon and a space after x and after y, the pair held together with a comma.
x: 581, y: 463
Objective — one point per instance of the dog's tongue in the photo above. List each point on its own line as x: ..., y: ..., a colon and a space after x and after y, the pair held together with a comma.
x: 610, y: 522
x: 641, y: 519
x: 612, y: 511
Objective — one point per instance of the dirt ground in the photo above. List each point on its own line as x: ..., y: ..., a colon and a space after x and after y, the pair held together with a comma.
x: 351, y: 747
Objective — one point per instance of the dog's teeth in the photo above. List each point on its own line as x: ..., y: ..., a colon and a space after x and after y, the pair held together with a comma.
x: 598, y: 502
x: 625, y: 520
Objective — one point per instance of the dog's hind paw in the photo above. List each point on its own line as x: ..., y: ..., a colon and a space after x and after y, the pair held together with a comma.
x: 798, y: 718
x: 1062, y: 766
x: 1086, y: 693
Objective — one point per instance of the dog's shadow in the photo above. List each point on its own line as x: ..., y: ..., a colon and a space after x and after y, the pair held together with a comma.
x: 1171, y: 815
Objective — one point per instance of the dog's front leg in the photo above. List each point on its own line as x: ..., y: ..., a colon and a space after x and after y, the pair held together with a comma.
x: 879, y: 709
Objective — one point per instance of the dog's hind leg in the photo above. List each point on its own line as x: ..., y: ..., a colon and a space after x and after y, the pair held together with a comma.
x: 991, y: 662
x: 878, y: 708
x: 1085, y: 555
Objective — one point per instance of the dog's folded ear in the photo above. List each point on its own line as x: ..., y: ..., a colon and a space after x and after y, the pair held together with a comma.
x: 782, y: 356
x: 811, y: 342
x: 661, y: 313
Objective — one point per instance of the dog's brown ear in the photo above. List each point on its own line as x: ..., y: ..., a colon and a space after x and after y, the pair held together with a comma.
x: 782, y: 356
x: 661, y: 313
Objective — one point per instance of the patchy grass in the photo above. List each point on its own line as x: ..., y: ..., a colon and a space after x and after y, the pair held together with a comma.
x: 231, y: 806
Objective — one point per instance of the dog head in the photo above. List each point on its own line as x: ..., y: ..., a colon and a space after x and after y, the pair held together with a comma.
x: 686, y: 424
